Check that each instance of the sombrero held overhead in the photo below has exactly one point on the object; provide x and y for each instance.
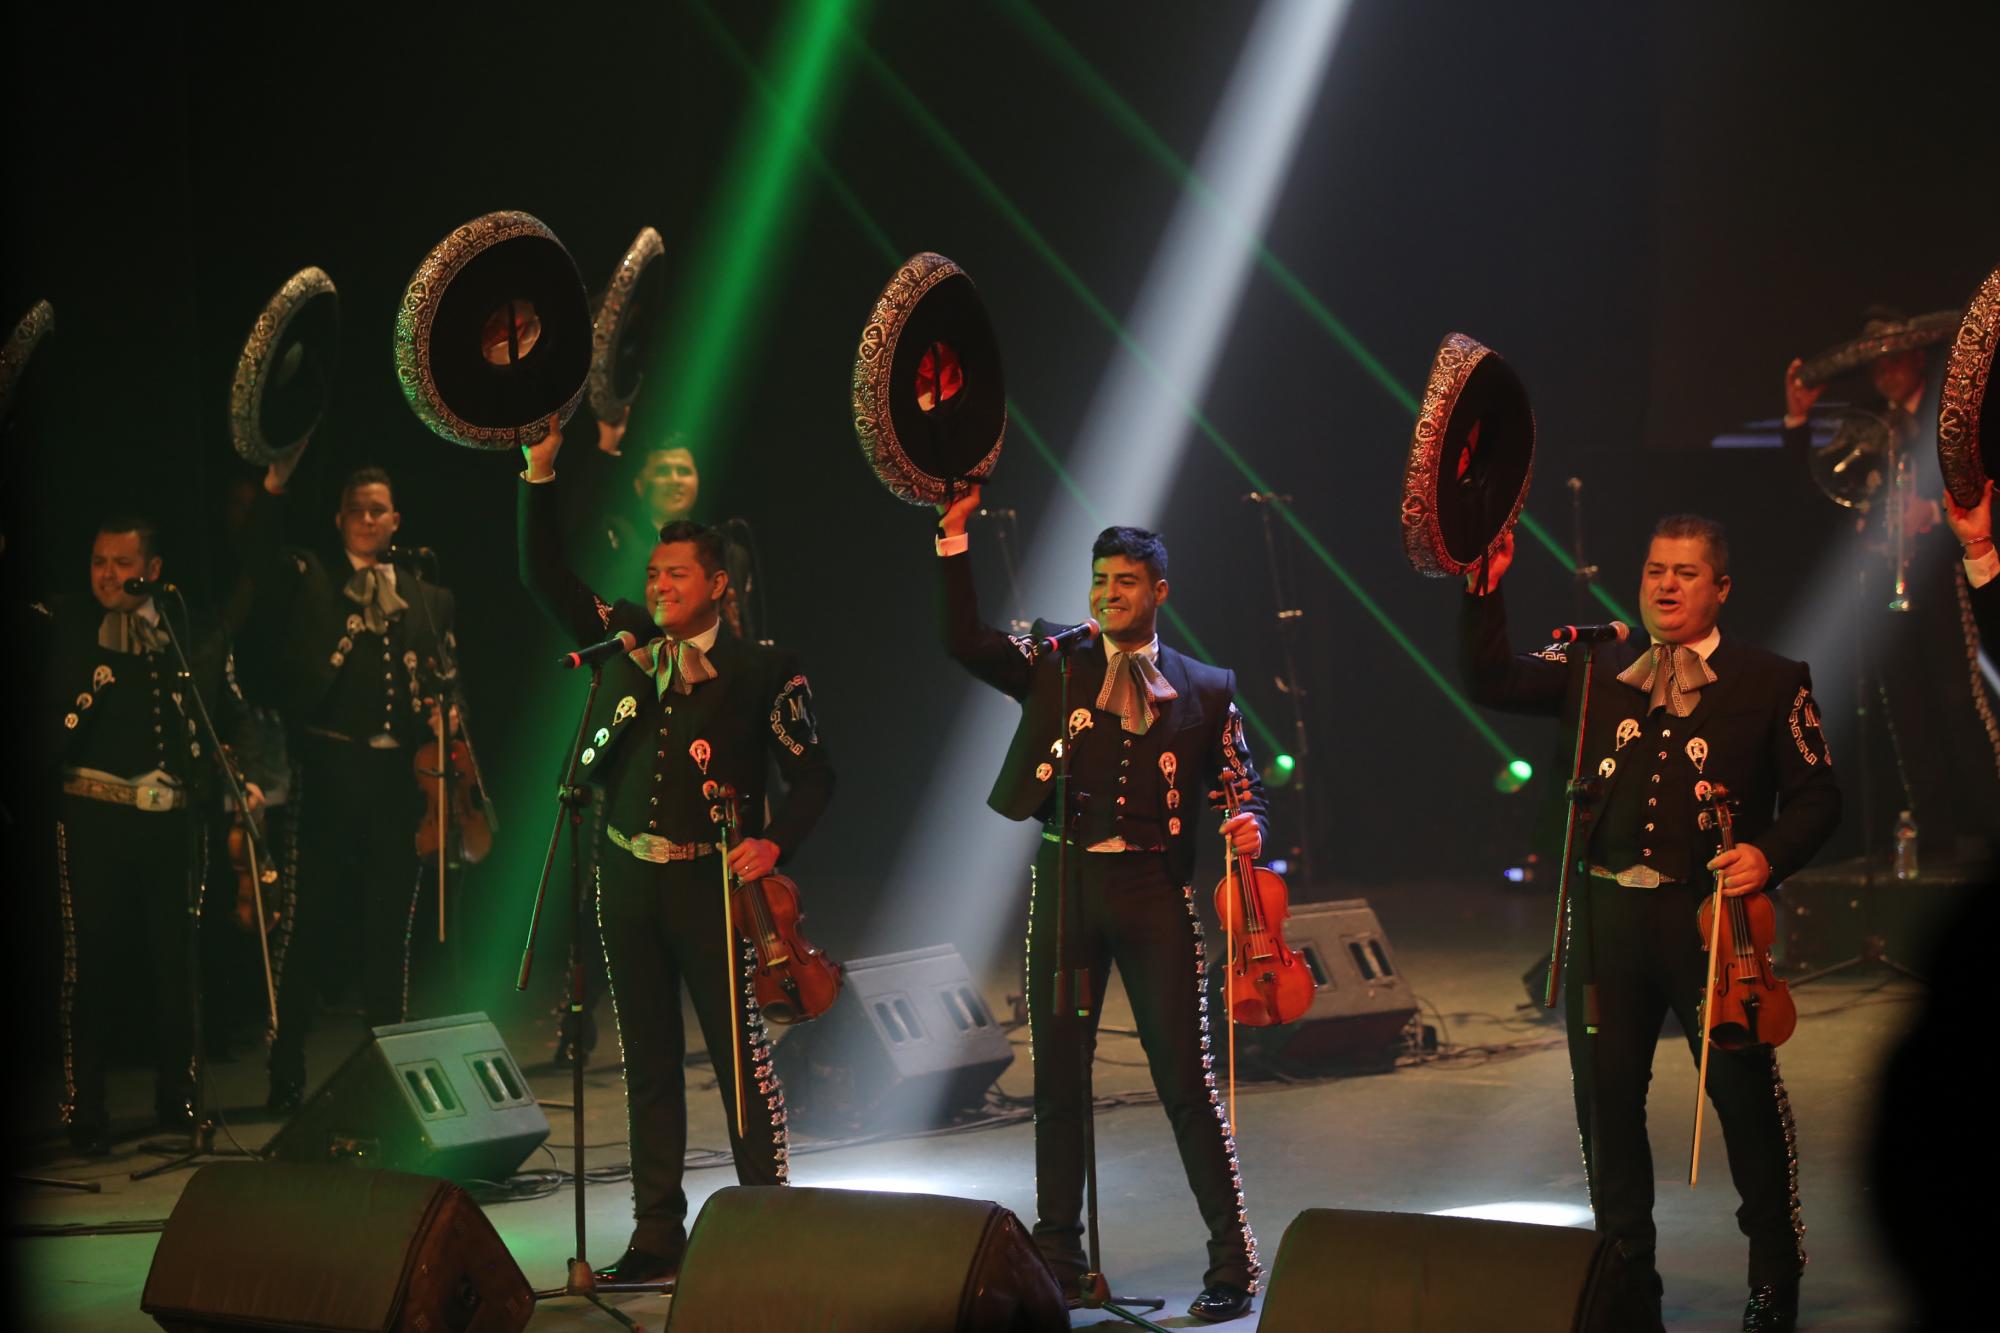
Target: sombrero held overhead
(930, 409)
(1471, 457)
(284, 374)
(20, 345)
(493, 335)
(1965, 403)
(1878, 337)
(621, 331)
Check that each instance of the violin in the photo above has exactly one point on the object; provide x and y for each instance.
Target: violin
(454, 803)
(1745, 1005)
(1267, 984)
(795, 982)
(252, 873)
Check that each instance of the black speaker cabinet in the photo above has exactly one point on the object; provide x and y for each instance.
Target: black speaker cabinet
(278, 1246)
(1363, 1003)
(441, 1097)
(909, 1041)
(854, 1259)
(1349, 1272)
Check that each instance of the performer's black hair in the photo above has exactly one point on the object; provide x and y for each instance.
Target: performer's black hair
(1677, 526)
(1133, 544)
(149, 531)
(709, 547)
(367, 476)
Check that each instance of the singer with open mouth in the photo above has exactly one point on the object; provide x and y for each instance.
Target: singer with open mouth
(1670, 717)
(1150, 731)
(686, 709)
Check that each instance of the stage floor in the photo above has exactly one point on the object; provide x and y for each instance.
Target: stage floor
(1487, 1127)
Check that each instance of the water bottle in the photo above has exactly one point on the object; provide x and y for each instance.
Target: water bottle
(1903, 860)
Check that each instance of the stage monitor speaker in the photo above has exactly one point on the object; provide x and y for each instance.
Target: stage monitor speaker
(909, 1041)
(1363, 1004)
(1351, 1272)
(279, 1246)
(440, 1097)
(856, 1259)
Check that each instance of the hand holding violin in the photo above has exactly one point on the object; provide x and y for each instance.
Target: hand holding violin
(1743, 869)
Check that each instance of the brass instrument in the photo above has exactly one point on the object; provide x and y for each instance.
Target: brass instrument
(1866, 462)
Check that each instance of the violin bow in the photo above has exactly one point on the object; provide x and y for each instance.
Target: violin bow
(1229, 941)
(1718, 798)
(728, 795)
(444, 807)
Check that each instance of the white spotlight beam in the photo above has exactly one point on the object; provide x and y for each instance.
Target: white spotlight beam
(1129, 448)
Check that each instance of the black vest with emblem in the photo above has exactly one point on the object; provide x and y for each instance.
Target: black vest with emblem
(116, 712)
(1116, 779)
(1649, 814)
(653, 754)
(340, 677)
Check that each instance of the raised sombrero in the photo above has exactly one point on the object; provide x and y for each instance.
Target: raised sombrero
(1878, 338)
(1471, 457)
(284, 374)
(621, 331)
(19, 347)
(1967, 456)
(493, 335)
(930, 409)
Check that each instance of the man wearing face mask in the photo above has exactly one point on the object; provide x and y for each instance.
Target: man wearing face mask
(137, 777)
(674, 721)
(363, 641)
(1150, 731)
(1669, 715)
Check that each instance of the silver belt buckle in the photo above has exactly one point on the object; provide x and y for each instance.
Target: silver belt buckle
(382, 740)
(1639, 877)
(152, 798)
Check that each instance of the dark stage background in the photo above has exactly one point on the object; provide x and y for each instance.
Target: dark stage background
(1649, 209)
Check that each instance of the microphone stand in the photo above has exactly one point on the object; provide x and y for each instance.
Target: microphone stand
(1093, 1290)
(1290, 619)
(1007, 539)
(201, 1133)
(1573, 916)
(571, 802)
(1586, 575)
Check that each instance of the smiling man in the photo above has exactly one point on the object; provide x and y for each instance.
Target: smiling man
(687, 713)
(1670, 716)
(1150, 730)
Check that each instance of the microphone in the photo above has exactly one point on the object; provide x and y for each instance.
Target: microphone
(146, 587)
(409, 555)
(631, 629)
(1068, 640)
(1615, 632)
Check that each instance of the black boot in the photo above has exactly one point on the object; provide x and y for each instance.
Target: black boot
(1220, 1302)
(1773, 1308)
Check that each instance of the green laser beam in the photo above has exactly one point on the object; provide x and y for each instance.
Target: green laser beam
(884, 243)
(732, 262)
(1122, 113)
(933, 128)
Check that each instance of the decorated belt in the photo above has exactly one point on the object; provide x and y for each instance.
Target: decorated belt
(652, 847)
(146, 795)
(1634, 877)
(1108, 845)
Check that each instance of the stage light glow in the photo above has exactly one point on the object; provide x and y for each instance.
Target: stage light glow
(1279, 866)
(1536, 1214)
(701, 356)
(1286, 762)
(1515, 874)
(1073, 63)
(1513, 776)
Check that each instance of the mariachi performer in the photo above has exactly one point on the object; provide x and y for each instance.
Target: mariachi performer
(1938, 748)
(137, 777)
(678, 720)
(1151, 731)
(362, 640)
(1669, 719)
